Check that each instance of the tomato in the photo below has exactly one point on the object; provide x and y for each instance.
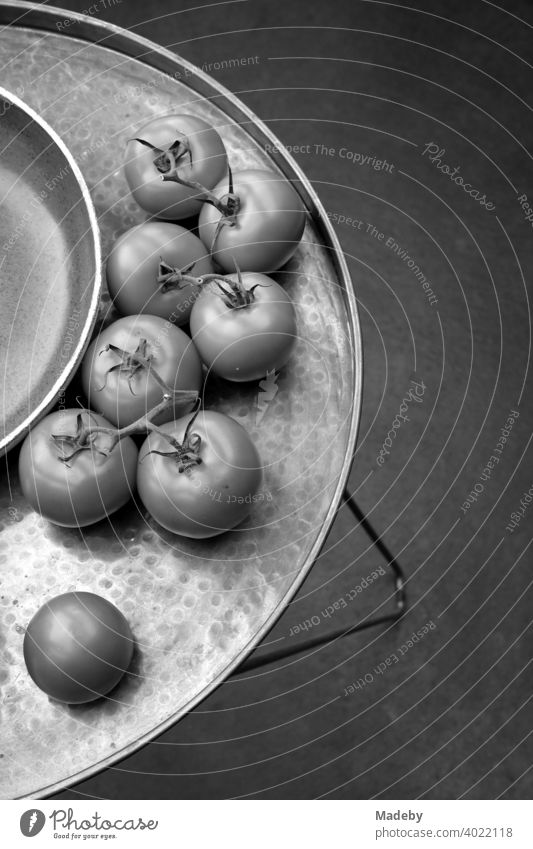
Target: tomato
(87, 487)
(122, 389)
(206, 481)
(178, 140)
(243, 332)
(266, 228)
(77, 647)
(144, 254)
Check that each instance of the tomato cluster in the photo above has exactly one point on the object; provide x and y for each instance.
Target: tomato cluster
(197, 471)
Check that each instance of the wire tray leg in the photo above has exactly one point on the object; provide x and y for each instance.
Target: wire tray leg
(400, 602)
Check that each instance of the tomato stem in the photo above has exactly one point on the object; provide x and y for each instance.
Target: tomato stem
(233, 292)
(84, 438)
(145, 422)
(229, 205)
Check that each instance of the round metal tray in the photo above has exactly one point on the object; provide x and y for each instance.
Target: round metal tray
(197, 608)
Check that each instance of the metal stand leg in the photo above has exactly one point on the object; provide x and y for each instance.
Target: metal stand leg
(400, 598)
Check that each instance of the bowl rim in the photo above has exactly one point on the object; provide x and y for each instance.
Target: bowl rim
(9, 439)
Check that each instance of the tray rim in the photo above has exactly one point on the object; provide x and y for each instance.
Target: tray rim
(28, 15)
(9, 440)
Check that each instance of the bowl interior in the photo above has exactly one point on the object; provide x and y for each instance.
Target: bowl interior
(48, 269)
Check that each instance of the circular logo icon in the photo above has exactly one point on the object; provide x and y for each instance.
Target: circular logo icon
(32, 822)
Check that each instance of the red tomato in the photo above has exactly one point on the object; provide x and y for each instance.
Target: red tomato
(86, 488)
(141, 270)
(246, 333)
(77, 647)
(175, 141)
(212, 488)
(266, 228)
(121, 389)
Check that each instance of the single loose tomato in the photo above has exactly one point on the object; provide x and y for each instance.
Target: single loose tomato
(126, 368)
(243, 325)
(144, 269)
(199, 477)
(262, 226)
(74, 478)
(181, 142)
(77, 647)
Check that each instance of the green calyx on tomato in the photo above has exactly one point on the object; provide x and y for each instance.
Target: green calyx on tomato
(83, 440)
(72, 469)
(131, 363)
(170, 277)
(166, 161)
(146, 265)
(185, 454)
(233, 292)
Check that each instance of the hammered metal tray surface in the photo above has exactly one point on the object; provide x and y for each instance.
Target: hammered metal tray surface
(195, 607)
